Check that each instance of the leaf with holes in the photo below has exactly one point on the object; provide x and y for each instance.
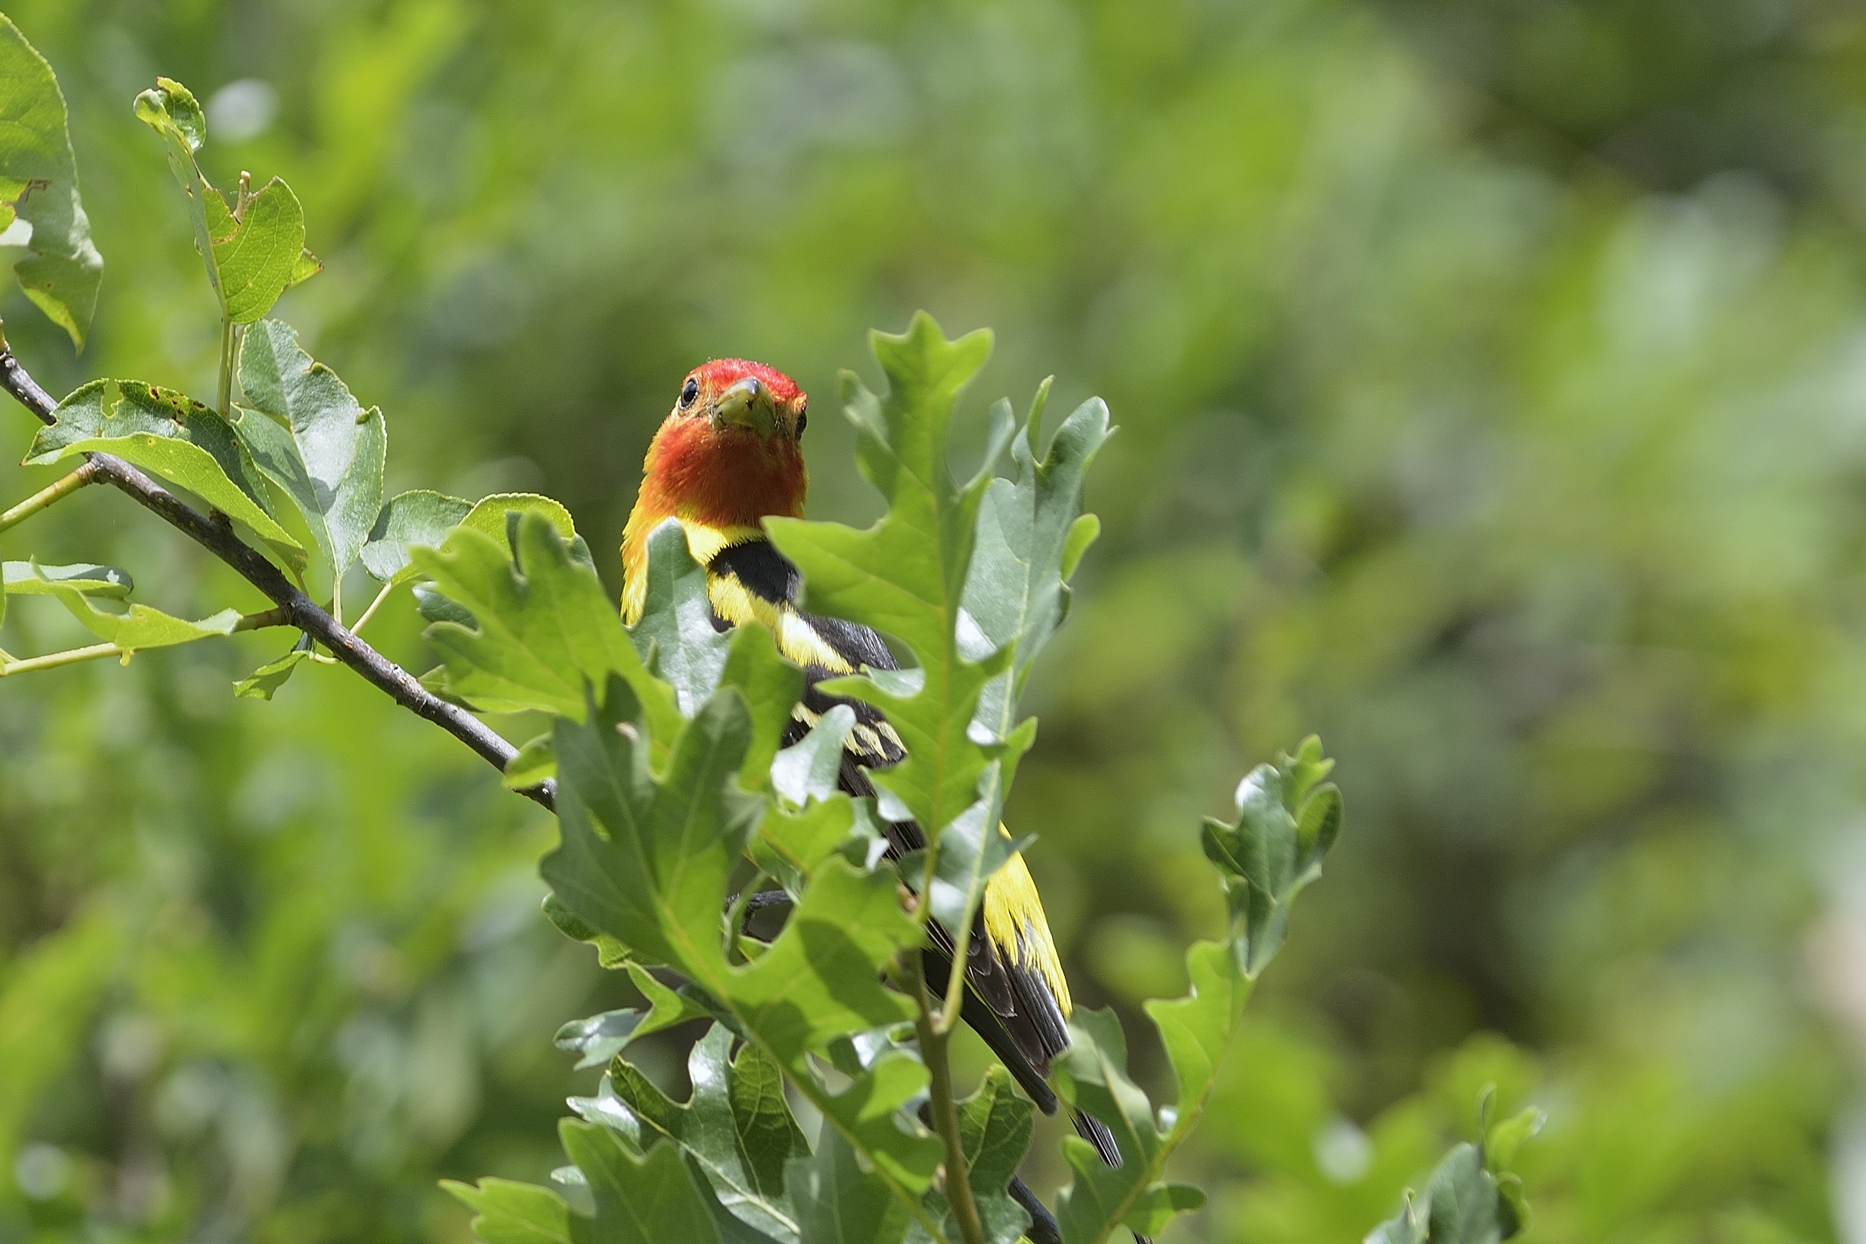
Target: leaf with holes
(171, 435)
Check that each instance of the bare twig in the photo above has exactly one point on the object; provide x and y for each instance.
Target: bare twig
(299, 610)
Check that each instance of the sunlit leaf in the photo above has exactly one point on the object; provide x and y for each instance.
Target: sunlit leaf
(313, 439)
(540, 635)
(675, 632)
(491, 514)
(32, 579)
(995, 1126)
(170, 435)
(139, 626)
(905, 575)
(39, 185)
(418, 519)
(506, 1212)
(259, 251)
(601, 1037)
(649, 1199)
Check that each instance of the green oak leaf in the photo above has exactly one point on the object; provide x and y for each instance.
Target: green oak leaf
(507, 1212)
(647, 1198)
(675, 634)
(1287, 821)
(806, 772)
(1465, 1202)
(263, 682)
(601, 1037)
(735, 1126)
(677, 640)
(1284, 813)
(542, 627)
(611, 954)
(171, 435)
(645, 857)
(995, 1127)
(168, 435)
(492, 514)
(421, 518)
(836, 1199)
(1030, 535)
(313, 439)
(39, 185)
(905, 576)
(534, 763)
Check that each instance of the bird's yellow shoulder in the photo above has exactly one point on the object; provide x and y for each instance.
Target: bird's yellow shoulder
(1015, 923)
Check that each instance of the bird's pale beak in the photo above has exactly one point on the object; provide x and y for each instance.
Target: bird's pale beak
(746, 404)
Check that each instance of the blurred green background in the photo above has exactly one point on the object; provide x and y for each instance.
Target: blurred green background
(1492, 385)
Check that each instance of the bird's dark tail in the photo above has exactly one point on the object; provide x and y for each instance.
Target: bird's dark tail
(1093, 1130)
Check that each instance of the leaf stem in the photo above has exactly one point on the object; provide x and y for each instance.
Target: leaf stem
(261, 620)
(63, 487)
(226, 368)
(53, 660)
(370, 612)
(934, 1053)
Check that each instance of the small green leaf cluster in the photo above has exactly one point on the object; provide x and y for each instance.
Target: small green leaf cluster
(1472, 1197)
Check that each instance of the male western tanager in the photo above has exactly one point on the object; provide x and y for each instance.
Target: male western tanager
(726, 457)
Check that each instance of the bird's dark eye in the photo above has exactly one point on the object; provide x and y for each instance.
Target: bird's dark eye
(688, 392)
(803, 421)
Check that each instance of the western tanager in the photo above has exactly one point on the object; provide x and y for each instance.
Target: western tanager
(727, 457)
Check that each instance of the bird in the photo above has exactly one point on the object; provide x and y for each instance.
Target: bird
(729, 455)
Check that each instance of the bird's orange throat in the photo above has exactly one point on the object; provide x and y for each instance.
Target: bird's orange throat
(726, 479)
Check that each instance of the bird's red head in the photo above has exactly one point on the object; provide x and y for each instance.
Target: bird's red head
(726, 457)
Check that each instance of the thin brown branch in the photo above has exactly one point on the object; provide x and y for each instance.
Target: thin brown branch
(298, 609)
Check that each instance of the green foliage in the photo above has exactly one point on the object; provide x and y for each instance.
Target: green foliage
(905, 576)
(543, 627)
(420, 518)
(995, 1124)
(1472, 1197)
(736, 1127)
(311, 438)
(1285, 825)
(31, 579)
(265, 681)
(139, 626)
(39, 185)
(254, 251)
(173, 436)
(1472, 417)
